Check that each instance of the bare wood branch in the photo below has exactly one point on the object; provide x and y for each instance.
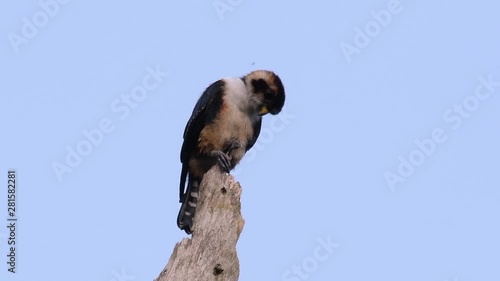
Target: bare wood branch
(210, 254)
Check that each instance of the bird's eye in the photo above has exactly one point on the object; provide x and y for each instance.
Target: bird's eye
(268, 94)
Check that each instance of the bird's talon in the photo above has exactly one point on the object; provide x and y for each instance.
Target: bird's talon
(223, 160)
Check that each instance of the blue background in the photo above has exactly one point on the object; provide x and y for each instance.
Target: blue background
(319, 170)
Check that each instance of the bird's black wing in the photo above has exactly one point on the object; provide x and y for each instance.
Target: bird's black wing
(256, 133)
(204, 112)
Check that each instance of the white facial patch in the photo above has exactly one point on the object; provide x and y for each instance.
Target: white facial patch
(237, 93)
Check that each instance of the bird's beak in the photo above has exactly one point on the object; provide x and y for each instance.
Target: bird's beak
(263, 111)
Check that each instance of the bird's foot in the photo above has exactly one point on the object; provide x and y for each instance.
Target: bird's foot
(223, 159)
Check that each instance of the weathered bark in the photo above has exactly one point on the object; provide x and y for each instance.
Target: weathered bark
(210, 254)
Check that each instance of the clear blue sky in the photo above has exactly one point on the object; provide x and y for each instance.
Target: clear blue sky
(383, 165)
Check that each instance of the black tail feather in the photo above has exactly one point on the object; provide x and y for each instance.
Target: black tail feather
(188, 207)
(182, 184)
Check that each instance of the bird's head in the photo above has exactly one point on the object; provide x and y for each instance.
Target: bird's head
(267, 91)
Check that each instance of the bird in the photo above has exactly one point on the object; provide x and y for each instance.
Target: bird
(225, 123)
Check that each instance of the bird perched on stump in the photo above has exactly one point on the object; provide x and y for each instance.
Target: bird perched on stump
(224, 125)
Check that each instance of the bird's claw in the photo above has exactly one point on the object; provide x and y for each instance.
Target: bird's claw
(223, 159)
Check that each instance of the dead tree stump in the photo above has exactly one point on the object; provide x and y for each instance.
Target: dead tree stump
(210, 254)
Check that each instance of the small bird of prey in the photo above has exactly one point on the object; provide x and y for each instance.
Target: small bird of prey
(224, 125)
